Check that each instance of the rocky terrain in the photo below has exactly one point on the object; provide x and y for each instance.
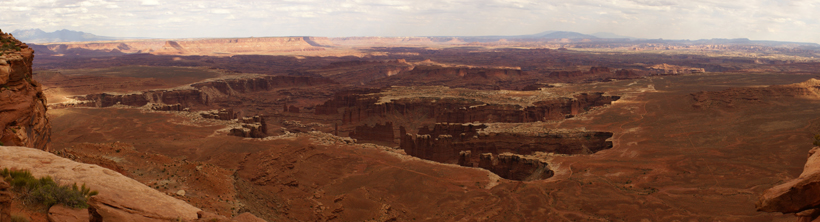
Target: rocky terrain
(799, 195)
(25, 142)
(439, 128)
(187, 46)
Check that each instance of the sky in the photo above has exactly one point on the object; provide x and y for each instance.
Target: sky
(779, 20)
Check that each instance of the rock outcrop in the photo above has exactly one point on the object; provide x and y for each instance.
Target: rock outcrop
(356, 108)
(199, 94)
(486, 78)
(221, 114)
(23, 108)
(800, 195)
(509, 166)
(733, 97)
(667, 69)
(243, 217)
(445, 141)
(377, 132)
(60, 213)
(220, 46)
(575, 74)
(359, 71)
(458, 144)
(5, 201)
(120, 198)
(251, 127)
(171, 107)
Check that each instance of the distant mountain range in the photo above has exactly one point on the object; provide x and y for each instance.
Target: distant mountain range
(65, 35)
(547, 35)
(574, 35)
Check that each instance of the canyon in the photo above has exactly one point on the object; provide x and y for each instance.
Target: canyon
(417, 128)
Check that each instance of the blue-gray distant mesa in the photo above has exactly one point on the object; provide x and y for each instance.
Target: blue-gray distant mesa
(795, 20)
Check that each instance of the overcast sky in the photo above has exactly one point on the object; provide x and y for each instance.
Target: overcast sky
(669, 19)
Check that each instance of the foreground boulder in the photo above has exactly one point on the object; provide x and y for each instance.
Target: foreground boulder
(60, 213)
(120, 198)
(800, 195)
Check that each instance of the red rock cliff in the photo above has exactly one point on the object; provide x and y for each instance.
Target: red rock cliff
(23, 118)
(445, 141)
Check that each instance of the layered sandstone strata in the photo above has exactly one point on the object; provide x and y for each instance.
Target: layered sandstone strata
(502, 153)
(23, 118)
(198, 94)
(214, 46)
(358, 107)
(377, 132)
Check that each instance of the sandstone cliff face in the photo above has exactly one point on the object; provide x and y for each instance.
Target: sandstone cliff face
(120, 198)
(486, 78)
(356, 108)
(377, 132)
(360, 71)
(236, 86)
(445, 141)
(183, 47)
(23, 118)
(465, 145)
(202, 94)
(799, 194)
(509, 166)
(738, 96)
(569, 75)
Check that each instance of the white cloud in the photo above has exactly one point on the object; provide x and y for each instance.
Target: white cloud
(150, 2)
(220, 11)
(19, 9)
(668, 19)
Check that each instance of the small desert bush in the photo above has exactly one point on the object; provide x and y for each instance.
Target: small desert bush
(45, 191)
(18, 218)
(817, 140)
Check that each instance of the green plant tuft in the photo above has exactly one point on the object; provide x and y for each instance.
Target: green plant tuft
(817, 140)
(46, 191)
(18, 218)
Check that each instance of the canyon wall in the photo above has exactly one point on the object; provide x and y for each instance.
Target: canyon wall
(355, 108)
(201, 94)
(508, 165)
(733, 97)
(377, 132)
(444, 142)
(23, 108)
(484, 78)
(214, 46)
(502, 153)
(241, 45)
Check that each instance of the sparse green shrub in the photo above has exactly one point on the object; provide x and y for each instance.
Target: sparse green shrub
(817, 140)
(18, 218)
(45, 191)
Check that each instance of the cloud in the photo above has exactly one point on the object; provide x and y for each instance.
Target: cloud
(220, 11)
(668, 19)
(20, 9)
(150, 2)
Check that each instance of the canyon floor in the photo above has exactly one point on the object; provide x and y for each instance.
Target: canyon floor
(382, 137)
